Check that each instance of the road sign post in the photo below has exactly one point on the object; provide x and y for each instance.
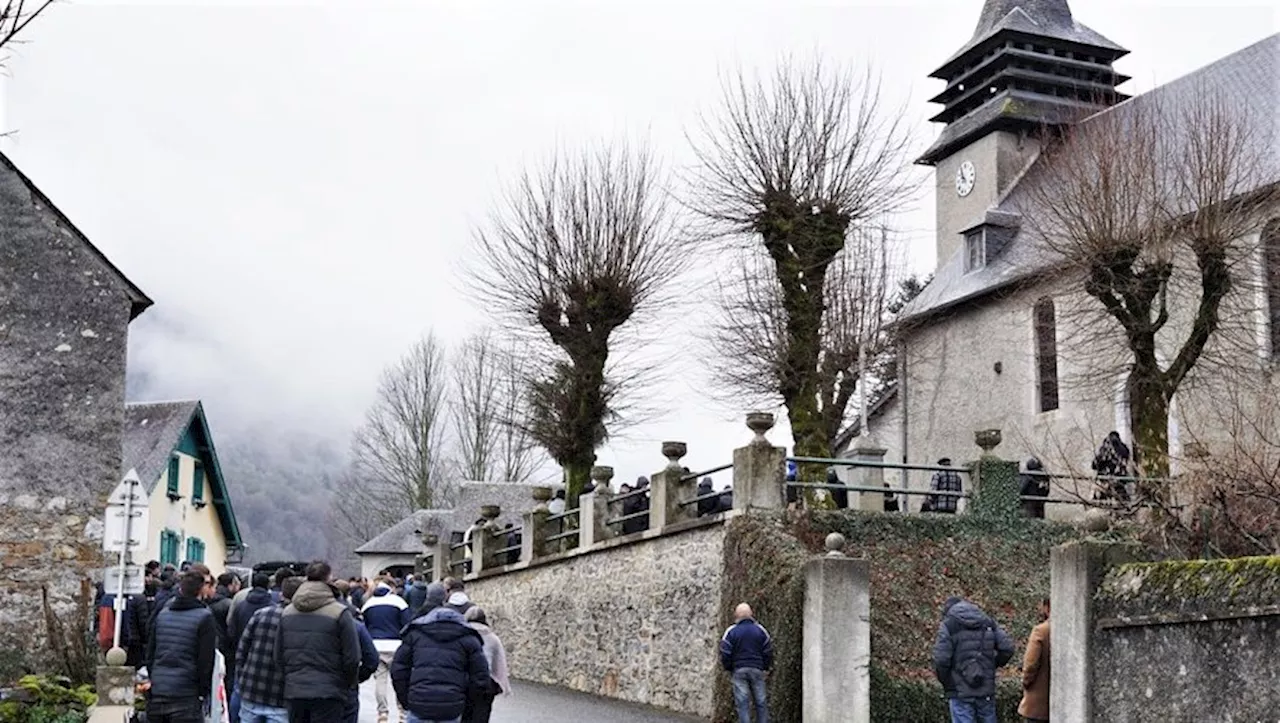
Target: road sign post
(125, 530)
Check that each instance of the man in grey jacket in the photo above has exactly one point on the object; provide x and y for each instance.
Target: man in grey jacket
(969, 648)
(319, 650)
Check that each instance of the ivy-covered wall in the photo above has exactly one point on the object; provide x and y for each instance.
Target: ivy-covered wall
(917, 561)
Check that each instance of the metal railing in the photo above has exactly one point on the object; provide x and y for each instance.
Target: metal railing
(619, 499)
(505, 534)
(713, 470)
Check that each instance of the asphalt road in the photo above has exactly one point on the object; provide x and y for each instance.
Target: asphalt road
(533, 703)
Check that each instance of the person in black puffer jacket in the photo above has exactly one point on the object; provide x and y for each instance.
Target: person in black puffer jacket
(180, 654)
(319, 647)
(439, 666)
(969, 648)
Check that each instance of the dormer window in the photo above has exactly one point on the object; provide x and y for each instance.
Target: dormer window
(975, 250)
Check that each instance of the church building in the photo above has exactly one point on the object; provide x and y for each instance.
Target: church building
(990, 343)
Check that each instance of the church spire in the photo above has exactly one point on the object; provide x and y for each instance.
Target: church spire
(1028, 64)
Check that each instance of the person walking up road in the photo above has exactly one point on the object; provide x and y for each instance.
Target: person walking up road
(180, 653)
(259, 677)
(385, 614)
(746, 651)
(969, 648)
(319, 648)
(480, 708)
(439, 667)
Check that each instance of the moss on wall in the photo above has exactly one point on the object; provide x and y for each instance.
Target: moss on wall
(1190, 587)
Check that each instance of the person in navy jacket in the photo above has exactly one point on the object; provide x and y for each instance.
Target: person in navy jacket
(746, 651)
(385, 615)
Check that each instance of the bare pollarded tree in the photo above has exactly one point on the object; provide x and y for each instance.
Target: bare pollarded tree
(490, 412)
(794, 165)
(400, 450)
(580, 248)
(751, 332)
(1151, 206)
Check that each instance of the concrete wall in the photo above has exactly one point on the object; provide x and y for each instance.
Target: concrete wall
(1178, 640)
(635, 620)
(997, 158)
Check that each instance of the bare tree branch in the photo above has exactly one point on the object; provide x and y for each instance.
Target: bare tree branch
(489, 412)
(794, 166)
(579, 249)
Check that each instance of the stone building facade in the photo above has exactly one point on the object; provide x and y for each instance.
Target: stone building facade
(1003, 336)
(64, 319)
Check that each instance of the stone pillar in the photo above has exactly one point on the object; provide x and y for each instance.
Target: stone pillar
(593, 509)
(483, 543)
(994, 481)
(667, 490)
(836, 677)
(866, 449)
(115, 685)
(759, 469)
(440, 560)
(533, 539)
(1075, 571)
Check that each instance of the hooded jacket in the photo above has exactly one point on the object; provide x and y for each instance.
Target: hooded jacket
(440, 664)
(242, 612)
(460, 603)
(318, 646)
(385, 614)
(495, 655)
(969, 648)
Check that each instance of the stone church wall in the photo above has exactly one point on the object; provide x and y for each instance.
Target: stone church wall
(637, 621)
(63, 329)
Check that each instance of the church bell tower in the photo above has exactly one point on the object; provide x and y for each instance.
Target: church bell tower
(1029, 67)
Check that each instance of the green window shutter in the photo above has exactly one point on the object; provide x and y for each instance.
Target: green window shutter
(174, 469)
(197, 485)
(195, 549)
(168, 547)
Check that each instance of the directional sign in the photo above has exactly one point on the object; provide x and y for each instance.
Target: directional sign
(129, 487)
(116, 532)
(134, 580)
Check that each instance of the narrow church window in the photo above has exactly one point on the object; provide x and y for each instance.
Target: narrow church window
(1046, 329)
(975, 256)
(1271, 270)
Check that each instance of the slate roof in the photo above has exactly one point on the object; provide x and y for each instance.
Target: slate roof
(138, 300)
(1248, 82)
(405, 537)
(151, 431)
(1045, 18)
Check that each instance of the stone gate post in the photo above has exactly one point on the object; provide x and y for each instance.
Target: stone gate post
(759, 468)
(837, 637)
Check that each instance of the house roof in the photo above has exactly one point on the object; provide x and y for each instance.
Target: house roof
(1247, 81)
(405, 536)
(155, 430)
(138, 300)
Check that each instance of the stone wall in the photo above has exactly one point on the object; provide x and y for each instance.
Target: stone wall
(636, 620)
(63, 324)
(1188, 641)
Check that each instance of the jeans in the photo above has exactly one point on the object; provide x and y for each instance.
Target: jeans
(317, 710)
(415, 719)
(973, 710)
(251, 712)
(748, 685)
(233, 704)
(380, 679)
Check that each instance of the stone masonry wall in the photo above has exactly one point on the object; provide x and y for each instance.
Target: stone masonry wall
(1188, 641)
(637, 621)
(63, 325)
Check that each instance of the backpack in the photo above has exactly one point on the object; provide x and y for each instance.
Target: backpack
(970, 668)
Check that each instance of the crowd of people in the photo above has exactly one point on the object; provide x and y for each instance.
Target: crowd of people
(295, 648)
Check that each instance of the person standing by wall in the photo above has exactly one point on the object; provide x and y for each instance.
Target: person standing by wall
(746, 651)
(1035, 671)
(969, 648)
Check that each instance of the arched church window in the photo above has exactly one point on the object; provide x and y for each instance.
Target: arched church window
(1271, 274)
(1046, 334)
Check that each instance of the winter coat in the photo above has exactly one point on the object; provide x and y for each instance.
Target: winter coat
(258, 678)
(439, 665)
(369, 658)
(945, 481)
(495, 654)
(459, 603)
(181, 651)
(710, 505)
(385, 614)
(746, 644)
(838, 495)
(319, 645)
(1033, 483)
(242, 612)
(416, 596)
(1035, 675)
(969, 648)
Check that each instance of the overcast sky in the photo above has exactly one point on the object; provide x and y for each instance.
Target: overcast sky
(295, 184)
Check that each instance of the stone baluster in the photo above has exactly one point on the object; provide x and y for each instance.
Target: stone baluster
(483, 543)
(759, 468)
(666, 489)
(593, 509)
(534, 540)
(866, 449)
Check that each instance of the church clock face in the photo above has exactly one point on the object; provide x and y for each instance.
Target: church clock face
(966, 175)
